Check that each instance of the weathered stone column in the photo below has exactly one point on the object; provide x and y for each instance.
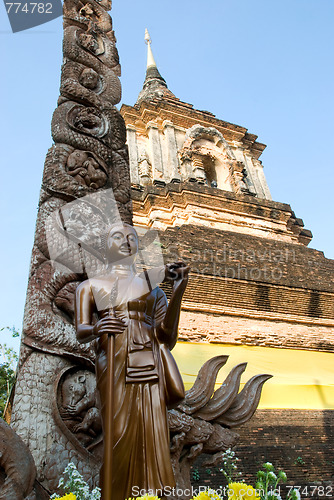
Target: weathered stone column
(255, 178)
(89, 155)
(173, 174)
(248, 167)
(133, 154)
(198, 168)
(262, 179)
(155, 149)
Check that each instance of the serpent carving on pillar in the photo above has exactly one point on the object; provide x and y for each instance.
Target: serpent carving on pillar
(89, 154)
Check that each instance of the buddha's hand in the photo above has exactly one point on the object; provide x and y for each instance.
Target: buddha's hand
(109, 325)
(176, 272)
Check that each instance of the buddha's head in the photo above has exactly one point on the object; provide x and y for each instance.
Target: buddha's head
(121, 244)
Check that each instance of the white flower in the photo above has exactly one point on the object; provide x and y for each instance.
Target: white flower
(77, 485)
(96, 494)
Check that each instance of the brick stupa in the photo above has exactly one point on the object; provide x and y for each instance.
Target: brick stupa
(255, 284)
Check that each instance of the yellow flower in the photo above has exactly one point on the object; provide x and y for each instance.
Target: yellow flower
(241, 491)
(207, 495)
(145, 497)
(69, 496)
(201, 496)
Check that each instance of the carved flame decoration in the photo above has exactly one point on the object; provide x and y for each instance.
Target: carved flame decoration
(202, 423)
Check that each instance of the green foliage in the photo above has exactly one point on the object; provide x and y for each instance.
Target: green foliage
(196, 475)
(299, 461)
(268, 480)
(8, 362)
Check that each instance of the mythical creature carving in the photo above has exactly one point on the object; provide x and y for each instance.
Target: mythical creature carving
(78, 406)
(89, 154)
(85, 169)
(202, 423)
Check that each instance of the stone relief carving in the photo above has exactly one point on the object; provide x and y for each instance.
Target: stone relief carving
(91, 41)
(86, 169)
(145, 170)
(238, 176)
(87, 120)
(202, 423)
(89, 154)
(91, 80)
(78, 406)
(206, 155)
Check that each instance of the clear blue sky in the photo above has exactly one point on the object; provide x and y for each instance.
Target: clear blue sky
(265, 65)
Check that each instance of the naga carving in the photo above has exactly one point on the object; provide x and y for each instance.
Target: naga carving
(89, 155)
(203, 422)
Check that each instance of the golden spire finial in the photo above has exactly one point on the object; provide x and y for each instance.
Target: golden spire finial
(150, 59)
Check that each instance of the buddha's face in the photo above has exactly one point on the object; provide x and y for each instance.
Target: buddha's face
(122, 243)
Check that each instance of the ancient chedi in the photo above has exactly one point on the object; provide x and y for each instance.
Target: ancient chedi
(89, 154)
(253, 282)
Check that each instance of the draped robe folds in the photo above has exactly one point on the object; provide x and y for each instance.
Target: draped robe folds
(141, 453)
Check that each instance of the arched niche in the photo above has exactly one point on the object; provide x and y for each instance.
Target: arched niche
(208, 158)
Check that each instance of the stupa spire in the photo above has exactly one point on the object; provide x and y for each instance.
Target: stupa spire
(155, 85)
(150, 58)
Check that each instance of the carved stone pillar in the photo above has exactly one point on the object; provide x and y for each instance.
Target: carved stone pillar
(155, 147)
(254, 174)
(89, 155)
(262, 179)
(248, 170)
(198, 168)
(237, 174)
(173, 162)
(133, 154)
(145, 171)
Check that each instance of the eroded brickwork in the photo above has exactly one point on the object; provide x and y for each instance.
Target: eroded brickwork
(253, 291)
(300, 442)
(224, 328)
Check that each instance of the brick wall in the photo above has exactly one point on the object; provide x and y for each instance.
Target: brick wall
(300, 442)
(213, 252)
